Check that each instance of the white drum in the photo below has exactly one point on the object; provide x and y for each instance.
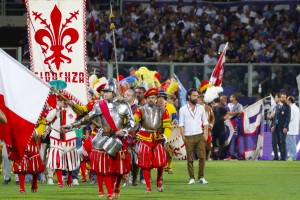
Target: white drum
(176, 145)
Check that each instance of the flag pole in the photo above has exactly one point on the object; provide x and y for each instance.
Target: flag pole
(113, 27)
(66, 99)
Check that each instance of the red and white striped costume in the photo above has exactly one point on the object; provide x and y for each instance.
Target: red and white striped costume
(32, 162)
(104, 164)
(62, 153)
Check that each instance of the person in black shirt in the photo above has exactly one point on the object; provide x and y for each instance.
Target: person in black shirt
(218, 131)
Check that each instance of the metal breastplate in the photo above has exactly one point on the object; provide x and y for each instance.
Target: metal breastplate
(152, 117)
(117, 113)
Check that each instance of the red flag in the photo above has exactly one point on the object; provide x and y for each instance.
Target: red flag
(217, 75)
(22, 97)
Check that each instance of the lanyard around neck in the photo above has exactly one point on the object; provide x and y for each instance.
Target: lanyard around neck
(194, 113)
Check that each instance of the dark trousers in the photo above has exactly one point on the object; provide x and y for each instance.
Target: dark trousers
(279, 139)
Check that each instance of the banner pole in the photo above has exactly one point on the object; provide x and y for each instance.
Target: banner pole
(112, 27)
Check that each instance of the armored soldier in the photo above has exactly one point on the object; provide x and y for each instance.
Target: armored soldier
(110, 157)
(155, 126)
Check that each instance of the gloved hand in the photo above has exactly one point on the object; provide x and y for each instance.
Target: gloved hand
(65, 128)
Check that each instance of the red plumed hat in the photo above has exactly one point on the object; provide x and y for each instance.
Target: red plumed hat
(150, 92)
(101, 87)
(204, 85)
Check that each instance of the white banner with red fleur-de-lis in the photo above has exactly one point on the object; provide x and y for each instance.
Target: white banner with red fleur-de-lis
(57, 43)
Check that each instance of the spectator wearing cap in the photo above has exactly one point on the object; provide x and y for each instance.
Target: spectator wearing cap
(162, 102)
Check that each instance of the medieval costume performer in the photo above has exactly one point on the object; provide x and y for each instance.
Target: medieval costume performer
(162, 102)
(62, 153)
(155, 126)
(32, 162)
(110, 158)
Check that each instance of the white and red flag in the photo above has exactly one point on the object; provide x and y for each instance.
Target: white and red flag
(57, 43)
(217, 74)
(22, 97)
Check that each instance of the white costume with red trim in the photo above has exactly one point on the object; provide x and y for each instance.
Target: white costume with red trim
(62, 153)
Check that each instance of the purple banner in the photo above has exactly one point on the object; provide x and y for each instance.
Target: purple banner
(268, 150)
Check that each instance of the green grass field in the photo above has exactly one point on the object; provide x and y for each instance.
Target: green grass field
(228, 180)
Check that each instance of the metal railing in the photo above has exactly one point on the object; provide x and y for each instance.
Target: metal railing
(9, 8)
(243, 78)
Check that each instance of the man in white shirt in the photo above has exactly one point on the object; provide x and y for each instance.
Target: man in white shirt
(191, 118)
(293, 129)
(235, 108)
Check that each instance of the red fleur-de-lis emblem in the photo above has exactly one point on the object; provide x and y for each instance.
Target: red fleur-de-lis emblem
(56, 32)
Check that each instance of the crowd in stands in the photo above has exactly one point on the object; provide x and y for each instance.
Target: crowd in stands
(193, 33)
(198, 34)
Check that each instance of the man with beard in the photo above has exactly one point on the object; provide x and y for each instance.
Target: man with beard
(155, 126)
(280, 126)
(191, 118)
(140, 91)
